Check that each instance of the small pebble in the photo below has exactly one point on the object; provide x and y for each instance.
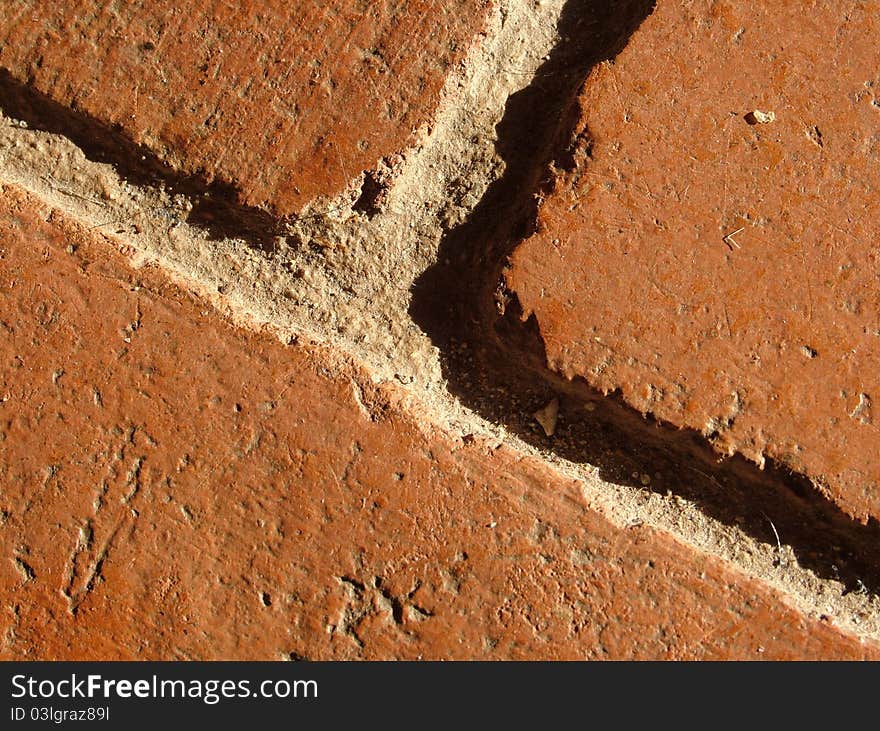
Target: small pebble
(759, 117)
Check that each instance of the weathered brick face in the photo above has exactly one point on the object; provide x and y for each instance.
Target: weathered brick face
(722, 272)
(176, 487)
(230, 433)
(286, 101)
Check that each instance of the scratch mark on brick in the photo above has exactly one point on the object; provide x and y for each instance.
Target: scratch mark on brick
(25, 570)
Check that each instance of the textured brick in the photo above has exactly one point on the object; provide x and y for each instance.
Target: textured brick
(767, 341)
(177, 487)
(287, 101)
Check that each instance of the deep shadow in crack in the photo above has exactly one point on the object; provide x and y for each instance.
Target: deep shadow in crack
(495, 363)
(216, 207)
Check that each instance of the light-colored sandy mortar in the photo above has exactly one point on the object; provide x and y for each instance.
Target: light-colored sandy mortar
(337, 276)
(342, 279)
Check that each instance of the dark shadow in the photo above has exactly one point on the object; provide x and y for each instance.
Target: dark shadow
(216, 206)
(495, 363)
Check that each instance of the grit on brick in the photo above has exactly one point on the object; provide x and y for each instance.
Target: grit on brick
(289, 102)
(178, 487)
(716, 266)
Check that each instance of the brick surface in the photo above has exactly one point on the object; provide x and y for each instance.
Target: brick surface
(768, 341)
(177, 487)
(287, 101)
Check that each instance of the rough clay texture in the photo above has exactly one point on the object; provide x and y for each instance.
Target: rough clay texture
(289, 102)
(719, 267)
(231, 436)
(265, 502)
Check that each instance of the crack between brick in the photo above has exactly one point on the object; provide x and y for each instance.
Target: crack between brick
(493, 354)
(436, 231)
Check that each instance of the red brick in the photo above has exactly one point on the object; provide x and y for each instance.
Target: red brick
(176, 487)
(287, 101)
(769, 343)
